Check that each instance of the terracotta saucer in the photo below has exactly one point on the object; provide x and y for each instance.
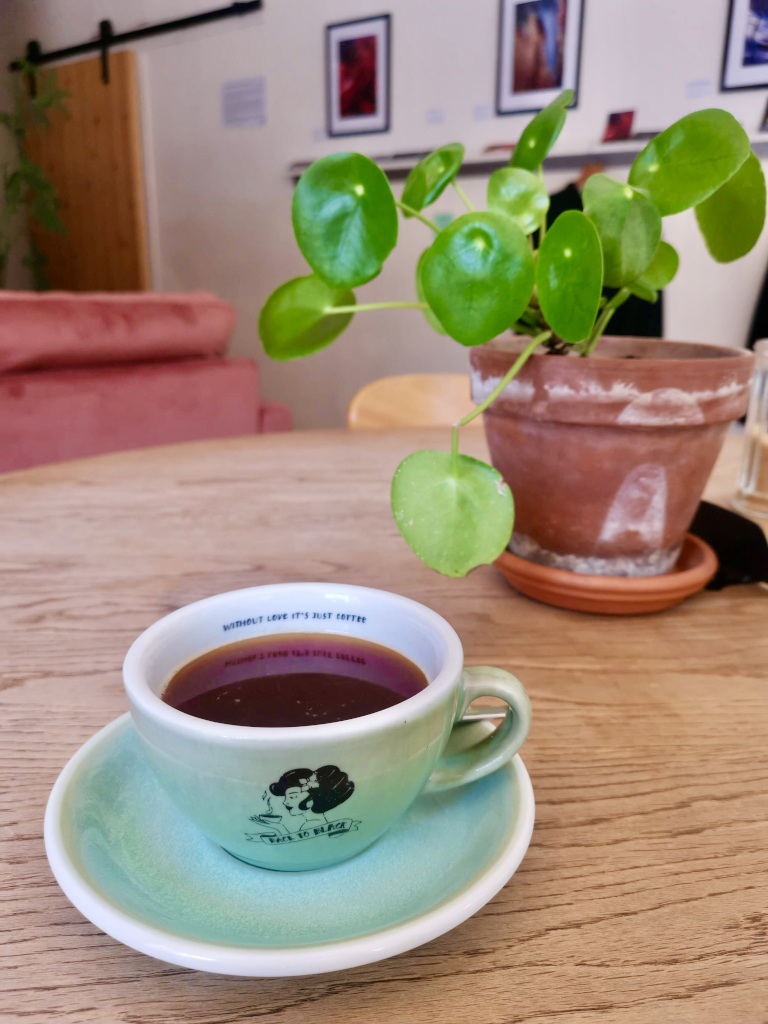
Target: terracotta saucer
(613, 595)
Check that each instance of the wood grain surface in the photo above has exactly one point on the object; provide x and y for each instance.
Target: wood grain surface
(644, 896)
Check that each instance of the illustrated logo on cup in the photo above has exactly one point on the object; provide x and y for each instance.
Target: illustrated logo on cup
(306, 797)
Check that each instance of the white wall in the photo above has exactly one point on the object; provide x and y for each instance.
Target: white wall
(220, 197)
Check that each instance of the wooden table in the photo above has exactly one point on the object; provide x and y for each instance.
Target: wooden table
(644, 896)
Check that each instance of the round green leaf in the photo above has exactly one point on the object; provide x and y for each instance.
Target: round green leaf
(540, 135)
(293, 322)
(569, 276)
(454, 517)
(478, 276)
(732, 218)
(429, 316)
(629, 226)
(662, 268)
(520, 195)
(689, 161)
(345, 218)
(431, 176)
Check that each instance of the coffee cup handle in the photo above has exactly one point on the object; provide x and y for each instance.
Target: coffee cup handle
(495, 750)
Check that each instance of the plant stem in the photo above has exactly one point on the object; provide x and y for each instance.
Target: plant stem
(363, 307)
(543, 228)
(604, 319)
(455, 449)
(518, 364)
(415, 213)
(463, 196)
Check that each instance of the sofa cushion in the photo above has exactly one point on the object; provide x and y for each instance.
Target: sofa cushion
(40, 330)
(51, 415)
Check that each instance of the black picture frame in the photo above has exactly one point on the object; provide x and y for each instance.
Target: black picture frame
(381, 121)
(545, 95)
(750, 76)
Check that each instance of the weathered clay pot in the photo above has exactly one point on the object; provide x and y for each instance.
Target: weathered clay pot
(607, 456)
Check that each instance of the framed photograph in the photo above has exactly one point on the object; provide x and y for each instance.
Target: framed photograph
(619, 126)
(745, 62)
(539, 53)
(357, 76)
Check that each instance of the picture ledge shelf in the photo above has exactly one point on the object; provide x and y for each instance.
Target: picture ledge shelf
(608, 153)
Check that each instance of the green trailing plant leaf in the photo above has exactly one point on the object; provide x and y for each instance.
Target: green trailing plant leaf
(689, 161)
(519, 195)
(629, 226)
(540, 135)
(14, 189)
(293, 321)
(732, 218)
(429, 316)
(478, 276)
(345, 218)
(455, 515)
(46, 214)
(26, 190)
(569, 276)
(431, 176)
(36, 262)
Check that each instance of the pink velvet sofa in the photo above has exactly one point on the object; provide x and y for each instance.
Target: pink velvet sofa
(85, 374)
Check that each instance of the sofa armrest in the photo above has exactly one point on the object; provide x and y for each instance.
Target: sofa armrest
(274, 418)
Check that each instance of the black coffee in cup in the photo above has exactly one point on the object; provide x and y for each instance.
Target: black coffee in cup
(293, 679)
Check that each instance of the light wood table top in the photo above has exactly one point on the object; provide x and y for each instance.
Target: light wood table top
(644, 896)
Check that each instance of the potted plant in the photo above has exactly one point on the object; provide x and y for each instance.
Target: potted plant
(606, 443)
(27, 195)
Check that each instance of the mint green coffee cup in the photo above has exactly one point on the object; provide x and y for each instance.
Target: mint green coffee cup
(350, 780)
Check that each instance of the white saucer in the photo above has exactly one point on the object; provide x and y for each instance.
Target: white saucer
(135, 867)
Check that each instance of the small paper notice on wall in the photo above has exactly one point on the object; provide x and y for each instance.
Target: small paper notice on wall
(482, 112)
(244, 102)
(699, 87)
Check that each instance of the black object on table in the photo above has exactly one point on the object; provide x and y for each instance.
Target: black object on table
(740, 545)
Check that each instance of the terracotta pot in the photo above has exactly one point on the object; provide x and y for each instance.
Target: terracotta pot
(607, 457)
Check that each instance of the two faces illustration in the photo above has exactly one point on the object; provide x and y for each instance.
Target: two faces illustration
(302, 797)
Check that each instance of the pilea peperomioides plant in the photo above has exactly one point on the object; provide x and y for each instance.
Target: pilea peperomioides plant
(482, 275)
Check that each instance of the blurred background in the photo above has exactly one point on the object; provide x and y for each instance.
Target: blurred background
(224, 114)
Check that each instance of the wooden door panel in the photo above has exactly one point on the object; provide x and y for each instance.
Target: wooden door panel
(93, 156)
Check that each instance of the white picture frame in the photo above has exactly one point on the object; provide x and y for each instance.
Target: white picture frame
(745, 58)
(539, 53)
(363, 107)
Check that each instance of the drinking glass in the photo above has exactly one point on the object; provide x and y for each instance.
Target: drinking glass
(752, 495)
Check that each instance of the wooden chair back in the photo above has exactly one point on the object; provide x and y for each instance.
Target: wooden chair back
(412, 400)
